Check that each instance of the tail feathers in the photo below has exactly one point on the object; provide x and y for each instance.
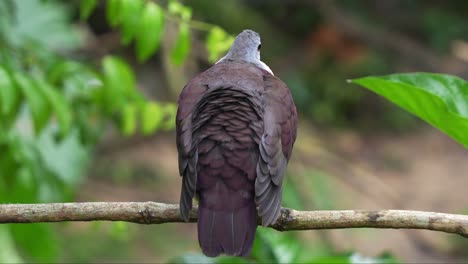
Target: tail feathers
(225, 232)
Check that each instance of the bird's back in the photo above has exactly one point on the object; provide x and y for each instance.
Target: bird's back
(227, 126)
(220, 136)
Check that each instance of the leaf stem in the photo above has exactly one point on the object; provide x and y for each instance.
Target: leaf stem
(195, 24)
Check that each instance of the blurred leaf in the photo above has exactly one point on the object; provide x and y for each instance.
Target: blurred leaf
(23, 188)
(59, 106)
(78, 81)
(262, 249)
(86, 8)
(441, 100)
(46, 23)
(182, 46)
(114, 12)
(386, 258)
(170, 111)
(322, 194)
(285, 247)
(131, 14)
(9, 95)
(7, 10)
(176, 8)
(152, 116)
(120, 230)
(25, 179)
(149, 31)
(30, 174)
(129, 119)
(8, 254)
(8, 167)
(119, 83)
(337, 259)
(38, 240)
(60, 70)
(192, 258)
(313, 250)
(291, 195)
(37, 104)
(442, 27)
(353, 258)
(231, 260)
(67, 158)
(217, 43)
(271, 246)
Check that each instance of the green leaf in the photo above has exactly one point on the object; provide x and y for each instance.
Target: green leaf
(66, 159)
(386, 257)
(170, 111)
(217, 43)
(59, 106)
(129, 119)
(120, 231)
(38, 105)
(9, 95)
(263, 249)
(152, 116)
(321, 189)
(78, 81)
(353, 258)
(131, 13)
(182, 46)
(86, 8)
(231, 260)
(149, 31)
(119, 83)
(38, 240)
(337, 259)
(291, 195)
(24, 188)
(114, 12)
(285, 247)
(59, 71)
(176, 8)
(45, 23)
(8, 254)
(192, 258)
(441, 100)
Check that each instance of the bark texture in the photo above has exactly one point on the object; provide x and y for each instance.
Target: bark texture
(159, 213)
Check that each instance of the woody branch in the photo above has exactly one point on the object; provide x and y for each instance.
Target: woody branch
(159, 213)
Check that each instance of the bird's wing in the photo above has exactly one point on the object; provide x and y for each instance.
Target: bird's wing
(188, 154)
(280, 127)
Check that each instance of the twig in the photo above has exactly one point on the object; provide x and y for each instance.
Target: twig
(194, 24)
(159, 213)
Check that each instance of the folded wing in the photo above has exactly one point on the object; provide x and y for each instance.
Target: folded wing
(277, 140)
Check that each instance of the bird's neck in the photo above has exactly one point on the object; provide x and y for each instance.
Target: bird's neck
(257, 62)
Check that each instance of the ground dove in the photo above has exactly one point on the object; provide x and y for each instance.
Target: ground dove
(236, 125)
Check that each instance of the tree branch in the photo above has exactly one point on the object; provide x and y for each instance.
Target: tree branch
(158, 213)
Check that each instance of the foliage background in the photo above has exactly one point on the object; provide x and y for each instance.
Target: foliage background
(87, 103)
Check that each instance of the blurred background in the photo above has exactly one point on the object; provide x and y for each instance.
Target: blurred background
(87, 104)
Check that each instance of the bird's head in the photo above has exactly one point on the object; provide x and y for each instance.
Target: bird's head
(246, 47)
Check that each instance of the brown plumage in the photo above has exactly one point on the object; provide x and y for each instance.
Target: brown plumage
(236, 126)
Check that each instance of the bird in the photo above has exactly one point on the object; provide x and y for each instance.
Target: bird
(236, 125)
